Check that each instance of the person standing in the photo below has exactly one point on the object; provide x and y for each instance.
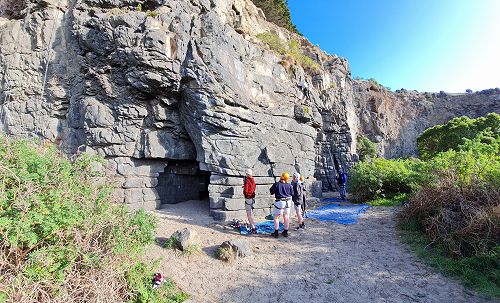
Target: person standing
(298, 198)
(249, 187)
(282, 192)
(341, 182)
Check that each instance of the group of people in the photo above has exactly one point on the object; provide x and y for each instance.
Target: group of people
(285, 193)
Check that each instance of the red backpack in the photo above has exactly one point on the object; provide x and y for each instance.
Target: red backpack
(249, 188)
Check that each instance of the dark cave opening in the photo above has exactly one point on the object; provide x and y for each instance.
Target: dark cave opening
(182, 180)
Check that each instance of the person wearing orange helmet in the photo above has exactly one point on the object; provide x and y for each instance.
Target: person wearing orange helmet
(282, 192)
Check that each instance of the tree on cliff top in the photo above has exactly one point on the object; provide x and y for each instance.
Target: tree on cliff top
(277, 11)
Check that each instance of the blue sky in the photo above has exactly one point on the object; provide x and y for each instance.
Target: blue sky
(427, 45)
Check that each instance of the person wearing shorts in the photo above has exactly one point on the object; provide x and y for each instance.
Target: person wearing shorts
(249, 193)
(298, 198)
(282, 192)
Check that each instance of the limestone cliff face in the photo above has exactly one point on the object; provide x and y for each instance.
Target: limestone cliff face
(395, 119)
(179, 96)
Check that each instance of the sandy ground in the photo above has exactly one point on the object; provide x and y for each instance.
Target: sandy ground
(328, 262)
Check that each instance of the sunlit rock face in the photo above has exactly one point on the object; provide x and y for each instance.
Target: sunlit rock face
(180, 97)
(395, 119)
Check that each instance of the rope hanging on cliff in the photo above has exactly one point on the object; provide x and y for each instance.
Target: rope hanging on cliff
(47, 51)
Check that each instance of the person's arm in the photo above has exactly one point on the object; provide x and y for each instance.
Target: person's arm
(272, 190)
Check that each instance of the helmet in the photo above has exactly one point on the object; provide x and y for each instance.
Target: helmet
(285, 176)
(301, 179)
(248, 172)
(296, 176)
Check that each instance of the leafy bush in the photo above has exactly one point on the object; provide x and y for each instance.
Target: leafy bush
(61, 237)
(274, 42)
(366, 148)
(451, 135)
(171, 243)
(394, 201)
(292, 52)
(277, 12)
(459, 215)
(380, 178)
(192, 250)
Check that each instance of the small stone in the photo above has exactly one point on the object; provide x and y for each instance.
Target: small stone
(186, 237)
(242, 248)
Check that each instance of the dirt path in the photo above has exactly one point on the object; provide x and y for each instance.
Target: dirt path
(329, 262)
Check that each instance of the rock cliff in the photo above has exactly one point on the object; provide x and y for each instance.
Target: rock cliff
(394, 120)
(180, 97)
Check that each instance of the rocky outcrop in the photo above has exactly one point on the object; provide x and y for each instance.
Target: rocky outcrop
(394, 120)
(178, 96)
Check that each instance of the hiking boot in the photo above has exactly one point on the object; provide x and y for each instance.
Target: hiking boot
(301, 227)
(253, 231)
(275, 234)
(285, 233)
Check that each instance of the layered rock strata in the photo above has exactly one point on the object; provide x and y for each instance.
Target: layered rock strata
(394, 120)
(179, 97)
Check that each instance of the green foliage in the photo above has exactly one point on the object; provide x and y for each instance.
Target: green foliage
(277, 12)
(292, 51)
(366, 148)
(152, 14)
(303, 60)
(480, 272)
(476, 160)
(394, 201)
(274, 42)
(58, 227)
(171, 243)
(225, 254)
(374, 82)
(451, 135)
(381, 178)
(139, 279)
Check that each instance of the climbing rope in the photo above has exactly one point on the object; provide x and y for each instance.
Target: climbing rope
(47, 52)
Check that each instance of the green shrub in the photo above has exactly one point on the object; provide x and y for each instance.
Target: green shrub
(394, 201)
(152, 14)
(451, 135)
(366, 148)
(171, 243)
(381, 178)
(277, 12)
(291, 52)
(273, 41)
(59, 230)
(139, 278)
(303, 60)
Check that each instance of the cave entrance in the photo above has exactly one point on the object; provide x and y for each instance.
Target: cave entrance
(182, 181)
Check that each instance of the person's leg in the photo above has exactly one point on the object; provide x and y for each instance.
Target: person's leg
(299, 215)
(276, 225)
(286, 219)
(249, 208)
(276, 222)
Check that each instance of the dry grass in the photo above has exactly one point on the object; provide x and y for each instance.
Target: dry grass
(465, 219)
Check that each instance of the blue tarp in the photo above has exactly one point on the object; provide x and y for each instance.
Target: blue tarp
(265, 227)
(343, 214)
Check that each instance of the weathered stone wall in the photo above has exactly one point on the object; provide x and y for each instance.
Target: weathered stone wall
(187, 81)
(394, 120)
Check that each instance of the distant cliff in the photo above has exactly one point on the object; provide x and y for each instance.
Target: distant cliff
(394, 120)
